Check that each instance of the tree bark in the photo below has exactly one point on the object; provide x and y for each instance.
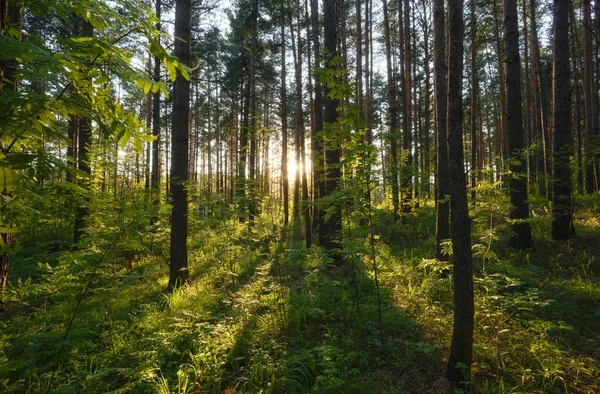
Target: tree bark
(155, 178)
(252, 121)
(591, 115)
(178, 274)
(427, 110)
(442, 217)
(316, 145)
(540, 119)
(474, 94)
(83, 161)
(331, 214)
(284, 131)
(519, 213)
(392, 114)
(562, 203)
(461, 348)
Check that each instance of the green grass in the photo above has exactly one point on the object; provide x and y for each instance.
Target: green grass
(264, 314)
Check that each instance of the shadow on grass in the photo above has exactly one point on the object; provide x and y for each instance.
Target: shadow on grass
(334, 345)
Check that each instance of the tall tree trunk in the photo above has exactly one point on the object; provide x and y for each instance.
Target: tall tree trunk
(83, 161)
(474, 94)
(359, 59)
(528, 108)
(331, 214)
(501, 134)
(284, 131)
(461, 348)
(406, 88)
(577, 113)
(562, 203)
(178, 274)
(591, 115)
(297, 54)
(519, 213)
(440, 69)
(415, 107)
(541, 123)
(148, 159)
(392, 116)
(427, 110)
(305, 198)
(253, 124)
(316, 145)
(155, 181)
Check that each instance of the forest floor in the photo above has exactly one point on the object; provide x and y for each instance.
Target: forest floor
(264, 314)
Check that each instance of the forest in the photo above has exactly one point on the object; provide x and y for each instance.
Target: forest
(299, 196)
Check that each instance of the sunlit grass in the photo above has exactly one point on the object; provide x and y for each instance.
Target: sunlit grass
(265, 315)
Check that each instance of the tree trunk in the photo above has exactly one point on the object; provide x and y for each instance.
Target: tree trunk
(316, 145)
(540, 120)
(562, 203)
(252, 131)
(577, 113)
(297, 54)
(501, 134)
(392, 116)
(178, 274)
(331, 214)
(461, 348)
(155, 181)
(406, 87)
(591, 122)
(440, 69)
(528, 113)
(284, 131)
(427, 111)
(474, 94)
(83, 161)
(519, 213)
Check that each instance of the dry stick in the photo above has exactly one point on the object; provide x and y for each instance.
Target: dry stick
(79, 299)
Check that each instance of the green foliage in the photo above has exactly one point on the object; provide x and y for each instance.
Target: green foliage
(62, 77)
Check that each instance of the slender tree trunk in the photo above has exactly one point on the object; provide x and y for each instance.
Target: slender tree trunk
(501, 135)
(392, 116)
(577, 113)
(406, 87)
(461, 348)
(442, 217)
(415, 108)
(284, 130)
(297, 54)
(539, 102)
(591, 115)
(562, 203)
(252, 131)
(155, 181)
(332, 215)
(474, 96)
(305, 197)
(83, 161)
(427, 110)
(519, 213)
(178, 274)
(527, 106)
(317, 146)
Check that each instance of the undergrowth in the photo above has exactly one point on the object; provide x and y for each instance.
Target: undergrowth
(262, 313)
